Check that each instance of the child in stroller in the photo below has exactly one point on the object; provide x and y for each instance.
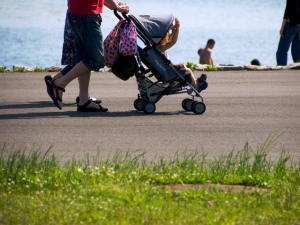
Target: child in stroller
(170, 79)
(166, 43)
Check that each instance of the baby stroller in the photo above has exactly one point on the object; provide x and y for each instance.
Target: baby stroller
(160, 77)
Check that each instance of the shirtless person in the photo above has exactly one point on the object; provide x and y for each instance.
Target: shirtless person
(205, 53)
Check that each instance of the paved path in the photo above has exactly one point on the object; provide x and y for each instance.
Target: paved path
(241, 106)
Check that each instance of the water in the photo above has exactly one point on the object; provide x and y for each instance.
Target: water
(31, 32)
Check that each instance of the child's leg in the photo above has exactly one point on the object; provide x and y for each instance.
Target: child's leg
(200, 83)
(192, 77)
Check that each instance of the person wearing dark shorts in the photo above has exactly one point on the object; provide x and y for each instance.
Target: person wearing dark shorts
(85, 21)
(68, 57)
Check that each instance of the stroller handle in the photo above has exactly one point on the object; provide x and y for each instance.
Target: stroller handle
(120, 17)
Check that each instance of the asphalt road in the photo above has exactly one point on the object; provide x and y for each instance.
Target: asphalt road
(241, 106)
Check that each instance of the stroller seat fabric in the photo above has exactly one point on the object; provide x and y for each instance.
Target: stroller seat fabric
(159, 65)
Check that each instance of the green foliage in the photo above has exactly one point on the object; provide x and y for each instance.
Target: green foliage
(128, 189)
(211, 68)
(3, 69)
(39, 69)
(191, 65)
(19, 69)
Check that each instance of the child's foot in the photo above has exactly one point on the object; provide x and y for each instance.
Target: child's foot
(203, 86)
(202, 78)
(202, 82)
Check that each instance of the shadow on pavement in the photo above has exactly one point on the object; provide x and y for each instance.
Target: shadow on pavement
(32, 105)
(43, 114)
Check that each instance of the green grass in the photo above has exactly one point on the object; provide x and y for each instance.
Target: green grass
(3, 69)
(39, 69)
(191, 65)
(22, 69)
(211, 68)
(129, 189)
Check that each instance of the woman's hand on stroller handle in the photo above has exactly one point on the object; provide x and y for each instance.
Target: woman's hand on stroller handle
(120, 17)
(119, 6)
(122, 8)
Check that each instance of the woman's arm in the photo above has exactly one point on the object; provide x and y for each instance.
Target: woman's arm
(119, 6)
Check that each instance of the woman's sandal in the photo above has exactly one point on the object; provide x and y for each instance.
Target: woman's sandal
(46, 79)
(83, 108)
(95, 100)
(50, 89)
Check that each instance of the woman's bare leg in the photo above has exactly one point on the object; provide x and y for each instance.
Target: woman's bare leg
(83, 74)
(79, 70)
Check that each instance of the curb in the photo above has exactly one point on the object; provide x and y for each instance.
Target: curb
(200, 67)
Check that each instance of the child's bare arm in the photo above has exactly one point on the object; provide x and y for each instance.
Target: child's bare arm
(174, 35)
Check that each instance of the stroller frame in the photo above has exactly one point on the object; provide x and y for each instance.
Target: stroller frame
(170, 80)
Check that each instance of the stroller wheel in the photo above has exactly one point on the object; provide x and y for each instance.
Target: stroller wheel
(198, 107)
(149, 107)
(138, 104)
(183, 103)
(187, 104)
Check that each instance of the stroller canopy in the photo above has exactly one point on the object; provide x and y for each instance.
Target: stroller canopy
(154, 27)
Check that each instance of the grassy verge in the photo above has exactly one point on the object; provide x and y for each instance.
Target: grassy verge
(22, 69)
(128, 189)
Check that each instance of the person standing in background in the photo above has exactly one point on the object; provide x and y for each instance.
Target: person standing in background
(205, 53)
(289, 33)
